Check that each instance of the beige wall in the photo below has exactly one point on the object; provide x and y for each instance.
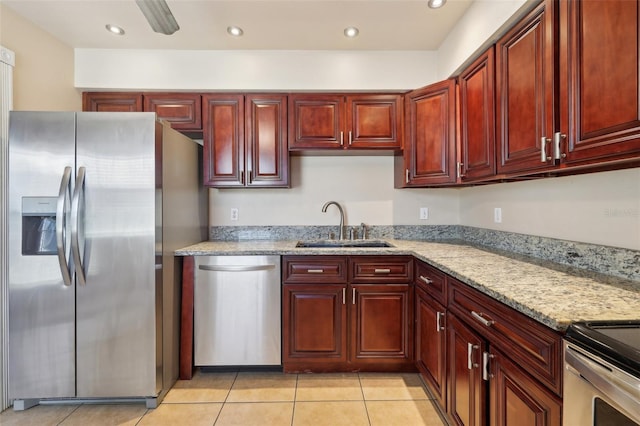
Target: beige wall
(43, 74)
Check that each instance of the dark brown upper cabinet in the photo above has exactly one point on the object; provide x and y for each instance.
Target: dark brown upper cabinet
(112, 101)
(526, 92)
(477, 119)
(245, 140)
(339, 121)
(182, 110)
(430, 150)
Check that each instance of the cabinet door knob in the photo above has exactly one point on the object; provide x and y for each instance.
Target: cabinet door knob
(426, 280)
(484, 321)
(439, 327)
(543, 149)
(470, 348)
(486, 358)
(557, 150)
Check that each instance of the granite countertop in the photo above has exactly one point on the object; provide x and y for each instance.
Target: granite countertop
(550, 293)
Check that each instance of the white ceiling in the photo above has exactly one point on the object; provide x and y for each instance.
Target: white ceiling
(267, 24)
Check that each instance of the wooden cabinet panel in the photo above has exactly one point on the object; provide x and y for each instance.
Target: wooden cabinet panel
(518, 399)
(341, 121)
(528, 342)
(429, 155)
(431, 344)
(314, 269)
(317, 121)
(182, 110)
(235, 158)
(432, 281)
(223, 139)
(314, 318)
(112, 101)
(600, 87)
(374, 121)
(381, 269)
(266, 132)
(467, 392)
(381, 323)
(477, 118)
(525, 91)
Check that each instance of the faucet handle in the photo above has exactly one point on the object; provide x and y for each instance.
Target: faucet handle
(363, 231)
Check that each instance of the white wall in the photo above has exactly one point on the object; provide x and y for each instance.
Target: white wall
(601, 208)
(475, 31)
(362, 185)
(105, 69)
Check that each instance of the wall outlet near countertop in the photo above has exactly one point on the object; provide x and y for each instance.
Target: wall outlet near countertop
(234, 213)
(424, 213)
(497, 215)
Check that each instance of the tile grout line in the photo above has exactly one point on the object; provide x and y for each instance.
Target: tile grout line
(235, 377)
(364, 399)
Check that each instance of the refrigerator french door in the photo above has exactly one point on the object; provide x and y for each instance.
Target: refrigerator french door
(84, 288)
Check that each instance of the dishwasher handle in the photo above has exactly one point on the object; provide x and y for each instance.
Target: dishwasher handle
(237, 268)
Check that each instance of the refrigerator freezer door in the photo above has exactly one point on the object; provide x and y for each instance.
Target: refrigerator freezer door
(41, 307)
(116, 312)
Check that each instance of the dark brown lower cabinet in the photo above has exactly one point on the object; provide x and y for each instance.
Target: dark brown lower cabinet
(431, 344)
(332, 322)
(467, 391)
(517, 399)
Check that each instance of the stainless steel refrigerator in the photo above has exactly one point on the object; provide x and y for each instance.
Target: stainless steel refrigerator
(98, 202)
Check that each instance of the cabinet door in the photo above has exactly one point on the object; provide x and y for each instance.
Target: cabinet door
(381, 327)
(112, 101)
(477, 119)
(516, 399)
(223, 140)
(314, 323)
(467, 391)
(431, 349)
(266, 133)
(525, 92)
(182, 110)
(374, 122)
(600, 87)
(430, 155)
(316, 121)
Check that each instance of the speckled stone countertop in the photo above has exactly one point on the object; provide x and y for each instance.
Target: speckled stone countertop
(552, 294)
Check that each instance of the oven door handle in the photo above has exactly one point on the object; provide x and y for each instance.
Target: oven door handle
(608, 382)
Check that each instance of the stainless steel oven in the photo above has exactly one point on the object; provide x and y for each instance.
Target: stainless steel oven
(602, 374)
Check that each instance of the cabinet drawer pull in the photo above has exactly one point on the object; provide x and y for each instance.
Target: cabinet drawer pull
(470, 364)
(439, 327)
(315, 271)
(426, 280)
(486, 358)
(382, 271)
(483, 320)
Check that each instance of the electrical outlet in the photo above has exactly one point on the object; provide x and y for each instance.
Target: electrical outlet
(234, 213)
(497, 215)
(424, 213)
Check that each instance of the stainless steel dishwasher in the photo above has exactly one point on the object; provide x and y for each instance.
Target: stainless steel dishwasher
(237, 315)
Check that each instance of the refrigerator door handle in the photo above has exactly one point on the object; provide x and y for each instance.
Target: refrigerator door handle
(75, 219)
(64, 194)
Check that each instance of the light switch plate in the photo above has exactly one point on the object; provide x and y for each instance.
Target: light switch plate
(234, 213)
(497, 215)
(424, 213)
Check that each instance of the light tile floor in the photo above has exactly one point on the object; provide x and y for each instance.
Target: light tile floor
(269, 399)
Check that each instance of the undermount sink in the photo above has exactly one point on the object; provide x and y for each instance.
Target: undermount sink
(342, 243)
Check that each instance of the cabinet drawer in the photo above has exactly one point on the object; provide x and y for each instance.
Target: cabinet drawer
(381, 269)
(432, 281)
(536, 348)
(314, 269)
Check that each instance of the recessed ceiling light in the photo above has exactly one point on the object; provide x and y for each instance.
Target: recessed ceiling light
(114, 29)
(435, 4)
(351, 32)
(235, 31)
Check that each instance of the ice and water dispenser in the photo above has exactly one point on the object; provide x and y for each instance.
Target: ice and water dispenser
(39, 225)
